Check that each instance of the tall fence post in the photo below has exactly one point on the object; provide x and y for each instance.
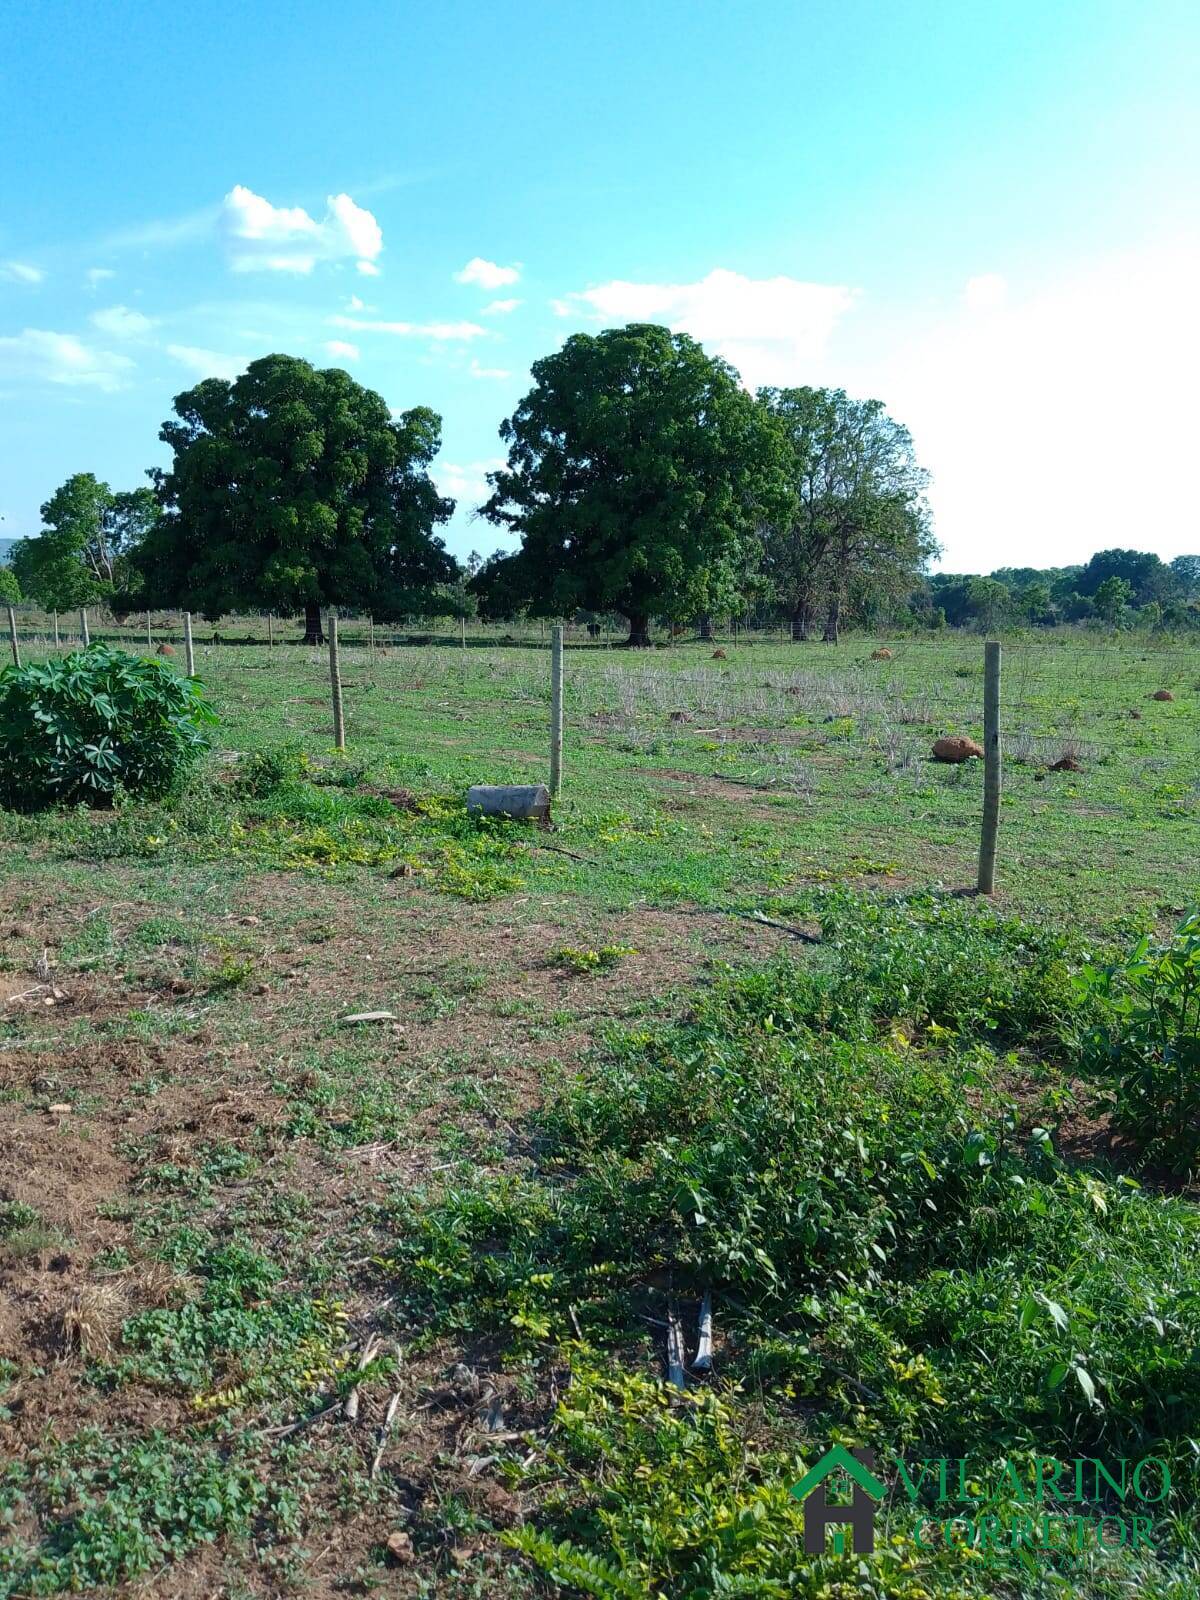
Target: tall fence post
(271, 630)
(56, 639)
(556, 711)
(335, 681)
(189, 649)
(12, 634)
(83, 627)
(149, 635)
(992, 767)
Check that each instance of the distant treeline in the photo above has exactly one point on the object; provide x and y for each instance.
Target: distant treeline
(642, 480)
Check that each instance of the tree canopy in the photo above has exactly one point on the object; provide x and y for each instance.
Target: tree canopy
(84, 551)
(638, 471)
(293, 488)
(858, 526)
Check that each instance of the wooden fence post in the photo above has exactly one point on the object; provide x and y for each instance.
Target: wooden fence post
(12, 634)
(56, 639)
(992, 767)
(335, 681)
(149, 636)
(189, 649)
(271, 629)
(556, 711)
(83, 627)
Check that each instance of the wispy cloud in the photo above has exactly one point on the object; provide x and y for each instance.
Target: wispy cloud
(340, 347)
(119, 322)
(501, 308)
(95, 276)
(262, 237)
(486, 274)
(207, 363)
(466, 482)
(160, 232)
(771, 329)
(62, 358)
(412, 330)
(21, 272)
(477, 371)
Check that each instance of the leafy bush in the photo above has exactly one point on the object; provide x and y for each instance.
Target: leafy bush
(262, 772)
(1149, 1039)
(120, 1509)
(827, 1147)
(80, 728)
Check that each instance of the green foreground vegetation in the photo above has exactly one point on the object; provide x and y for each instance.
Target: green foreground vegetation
(931, 1164)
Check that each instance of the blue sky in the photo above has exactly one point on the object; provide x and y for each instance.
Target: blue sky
(985, 215)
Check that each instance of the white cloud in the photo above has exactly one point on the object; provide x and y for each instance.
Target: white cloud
(119, 322)
(1062, 422)
(987, 292)
(773, 330)
(466, 482)
(486, 274)
(339, 347)
(266, 238)
(501, 308)
(413, 330)
(61, 358)
(98, 275)
(355, 304)
(21, 272)
(368, 269)
(488, 372)
(207, 363)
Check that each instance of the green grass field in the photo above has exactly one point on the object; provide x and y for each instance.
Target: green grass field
(602, 1084)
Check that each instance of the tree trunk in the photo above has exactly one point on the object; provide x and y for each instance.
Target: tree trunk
(800, 624)
(830, 635)
(639, 631)
(313, 632)
(704, 625)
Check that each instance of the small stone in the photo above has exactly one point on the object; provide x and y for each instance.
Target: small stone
(400, 1548)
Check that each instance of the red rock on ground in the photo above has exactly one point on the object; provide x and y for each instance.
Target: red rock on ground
(955, 747)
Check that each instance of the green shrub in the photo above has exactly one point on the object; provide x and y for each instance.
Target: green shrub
(828, 1148)
(97, 721)
(1149, 1039)
(262, 772)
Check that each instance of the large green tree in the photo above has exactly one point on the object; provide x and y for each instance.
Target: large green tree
(84, 551)
(1148, 577)
(293, 488)
(858, 526)
(638, 470)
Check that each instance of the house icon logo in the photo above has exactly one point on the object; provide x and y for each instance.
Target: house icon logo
(859, 1467)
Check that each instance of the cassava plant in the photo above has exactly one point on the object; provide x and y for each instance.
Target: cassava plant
(1148, 1038)
(79, 729)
